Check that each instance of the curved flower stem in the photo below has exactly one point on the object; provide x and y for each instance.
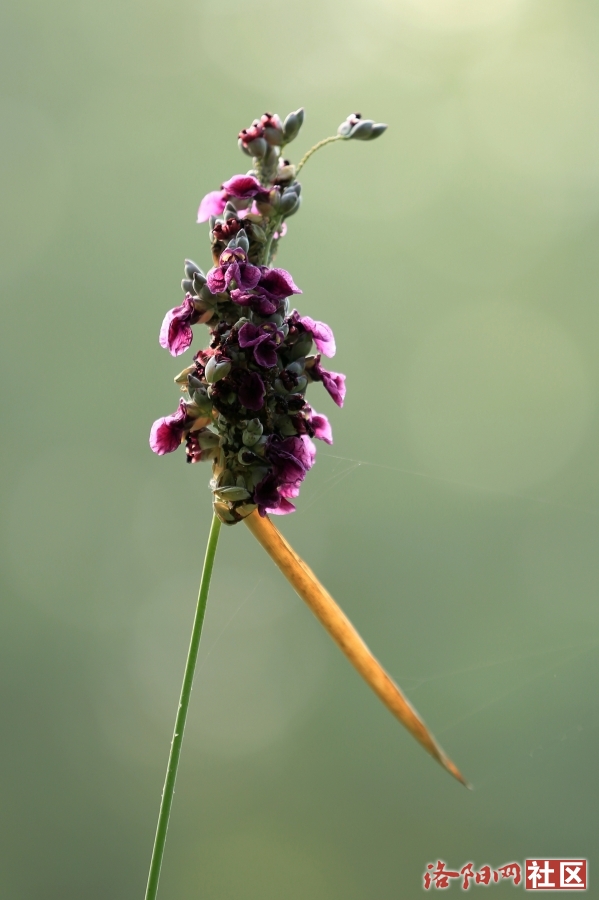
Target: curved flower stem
(306, 156)
(175, 752)
(306, 584)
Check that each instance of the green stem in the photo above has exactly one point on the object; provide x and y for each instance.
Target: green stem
(306, 156)
(175, 752)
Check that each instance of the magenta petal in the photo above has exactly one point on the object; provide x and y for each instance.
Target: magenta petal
(176, 334)
(322, 335)
(213, 204)
(242, 186)
(322, 427)
(334, 383)
(283, 508)
(167, 432)
(277, 283)
(216, 280)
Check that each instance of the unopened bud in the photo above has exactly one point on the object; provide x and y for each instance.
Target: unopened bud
(292, 124)
(242, 240)
(288, 207)
(257, 148)
(215, 370)
(191, 268)
(229, 212)
(199, 280)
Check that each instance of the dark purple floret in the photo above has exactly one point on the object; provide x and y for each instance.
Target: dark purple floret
(265, 341)
(233, 271)
(251, 391)
(276, 284)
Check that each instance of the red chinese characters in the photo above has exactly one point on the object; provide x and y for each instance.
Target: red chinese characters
(438, 876)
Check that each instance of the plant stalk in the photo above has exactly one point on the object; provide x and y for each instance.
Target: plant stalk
(175, 751)
(312, 150)
(334, 620)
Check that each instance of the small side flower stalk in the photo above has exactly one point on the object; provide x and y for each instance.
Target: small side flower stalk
(243, 406)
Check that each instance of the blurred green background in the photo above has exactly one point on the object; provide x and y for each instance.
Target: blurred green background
(456, 518)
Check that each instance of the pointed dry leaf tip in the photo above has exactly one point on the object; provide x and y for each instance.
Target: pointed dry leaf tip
(262, 353)
(334, 620)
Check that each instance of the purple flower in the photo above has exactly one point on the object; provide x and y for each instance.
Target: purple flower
(213, 204)
(291, 457)
(321, 427)
(242, 187)
(264, 339)
(322, 334)
(167, 433)
(176, 334)
(276, 284)
(265, 298)
(256, 301)
(334, 382)
(251, 390)
(233, 267)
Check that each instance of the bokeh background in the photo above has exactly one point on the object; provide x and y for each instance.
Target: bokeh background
(456, 517)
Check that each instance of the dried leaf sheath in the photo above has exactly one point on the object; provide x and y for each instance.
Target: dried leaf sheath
(345, 635)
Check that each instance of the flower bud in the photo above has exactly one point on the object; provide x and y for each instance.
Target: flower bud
(215, 370)
(187, 286)
(243, 147)
(191, 268)
(252, 433)
(361, 131)
(256, 148)
(241, 240)
(229, 211)
(290, 204)
(199, 280)
(292, 124)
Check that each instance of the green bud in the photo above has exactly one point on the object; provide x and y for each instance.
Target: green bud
(377, 130)
(187, 286)
(216, 370)
(242, 240)
(229, 212)
(292, 124)
(289, 203)
(191, 268)
(257, 148)
(199, 280)
(252, 433)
